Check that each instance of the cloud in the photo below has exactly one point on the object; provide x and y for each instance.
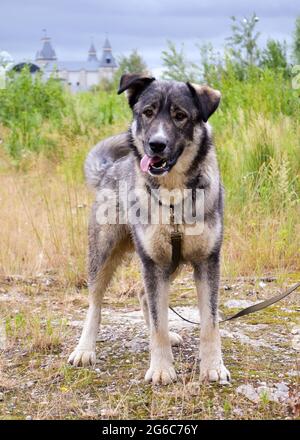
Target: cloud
(145, 25)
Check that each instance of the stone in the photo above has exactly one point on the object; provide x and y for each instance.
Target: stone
(238, 303)
(249, 392)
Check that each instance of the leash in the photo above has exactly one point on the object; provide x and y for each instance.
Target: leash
(176, 240)
(252, 309)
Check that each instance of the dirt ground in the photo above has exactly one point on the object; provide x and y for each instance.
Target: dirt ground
(41, 321)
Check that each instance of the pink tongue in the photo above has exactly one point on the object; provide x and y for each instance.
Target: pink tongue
(145, 163)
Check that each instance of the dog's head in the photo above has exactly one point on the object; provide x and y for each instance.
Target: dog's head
(166, 117)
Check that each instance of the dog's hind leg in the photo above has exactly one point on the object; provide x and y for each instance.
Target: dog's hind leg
(175, 339)
(206, 276)
(103, 261)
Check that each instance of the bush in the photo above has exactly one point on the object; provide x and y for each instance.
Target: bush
(257, 130)
(26, 104)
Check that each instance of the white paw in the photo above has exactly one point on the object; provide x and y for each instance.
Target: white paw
(82, 358)
(161, 374)
(175, 339)
(214, 372)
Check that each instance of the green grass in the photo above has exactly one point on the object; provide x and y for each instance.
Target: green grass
(47, 131)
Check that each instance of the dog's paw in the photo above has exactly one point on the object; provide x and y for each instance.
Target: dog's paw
(175, 339)
(214, 372)
(161, 374)
(82, 358)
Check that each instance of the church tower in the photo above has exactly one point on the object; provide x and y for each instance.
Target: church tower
(47, 53)
(92, 54)
(107, 59)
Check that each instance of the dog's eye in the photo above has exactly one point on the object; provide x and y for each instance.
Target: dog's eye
(179, 116)
(148, 113)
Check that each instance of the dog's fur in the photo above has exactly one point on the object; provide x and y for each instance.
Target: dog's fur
(173, 114)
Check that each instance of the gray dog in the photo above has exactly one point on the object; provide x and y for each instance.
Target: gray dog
(167, 147)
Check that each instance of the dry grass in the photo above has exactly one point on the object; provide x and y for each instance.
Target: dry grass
(259, 244)
(44, 224)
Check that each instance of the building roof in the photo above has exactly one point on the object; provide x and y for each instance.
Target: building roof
(47, 52)
(48, 56)
(92, 48)
(107, 44)
(31, 66)
(107, 59)
(92, 54)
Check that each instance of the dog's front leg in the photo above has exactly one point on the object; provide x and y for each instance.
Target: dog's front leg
(157, 289)
(206, 276)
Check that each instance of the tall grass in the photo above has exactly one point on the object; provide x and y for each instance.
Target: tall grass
(257, 131)
(47, 133)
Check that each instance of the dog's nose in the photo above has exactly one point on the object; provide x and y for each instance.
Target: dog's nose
(157, 144)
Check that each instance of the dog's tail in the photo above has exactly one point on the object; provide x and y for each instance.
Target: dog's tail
(103, 156)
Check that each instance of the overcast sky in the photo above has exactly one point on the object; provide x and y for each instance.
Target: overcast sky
(141, 24)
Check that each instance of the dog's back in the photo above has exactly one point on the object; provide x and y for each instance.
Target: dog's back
(102, 160)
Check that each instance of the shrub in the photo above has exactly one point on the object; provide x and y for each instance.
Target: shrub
(25, 104)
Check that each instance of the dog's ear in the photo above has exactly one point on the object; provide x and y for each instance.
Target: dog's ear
(134, 83)
(207, 99)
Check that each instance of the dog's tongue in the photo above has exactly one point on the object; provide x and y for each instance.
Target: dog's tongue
(146, 161)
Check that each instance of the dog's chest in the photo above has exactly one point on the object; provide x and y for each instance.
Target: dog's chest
(196, 244)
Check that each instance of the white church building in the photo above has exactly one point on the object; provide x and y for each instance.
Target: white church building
(76, 75)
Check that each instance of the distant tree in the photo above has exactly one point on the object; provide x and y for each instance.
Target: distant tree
(210, 63)
(134, 63)
(242, 44)
(176, 65)
(274, 56)
(5, 59)
(296, 42)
